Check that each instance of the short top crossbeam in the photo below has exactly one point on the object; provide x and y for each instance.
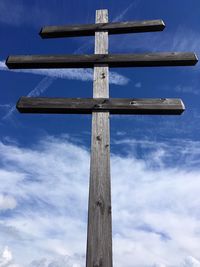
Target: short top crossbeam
(111, 28)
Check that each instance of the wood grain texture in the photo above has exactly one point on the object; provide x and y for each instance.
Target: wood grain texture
(99, 238)
(115, 60)
(111, 28)
(113, 105)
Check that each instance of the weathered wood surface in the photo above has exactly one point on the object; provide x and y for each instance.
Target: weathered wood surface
(115, 60)
(99, 235)
(113, 105)
(112, 28)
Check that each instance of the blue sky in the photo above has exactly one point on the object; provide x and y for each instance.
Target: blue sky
(44, 159)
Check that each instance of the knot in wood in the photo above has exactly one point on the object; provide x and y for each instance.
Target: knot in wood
(98, 106)
(104, 101)
(103, 76)
(109, 210)
(98, 138)
(100, 204)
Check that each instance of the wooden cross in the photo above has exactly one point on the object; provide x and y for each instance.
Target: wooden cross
(99, 233)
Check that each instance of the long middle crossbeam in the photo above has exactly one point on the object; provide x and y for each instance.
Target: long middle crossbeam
(124, 106)
(115, 60)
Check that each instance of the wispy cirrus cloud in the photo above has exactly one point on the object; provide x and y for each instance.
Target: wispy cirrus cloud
(70, 74)
(182, 39)
(188, 89)
(138, 85)
(4, 105)
(16, 13)
(121, 16)
(148, 225)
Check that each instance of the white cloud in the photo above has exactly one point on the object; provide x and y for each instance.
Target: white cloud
(58, 262)
(6, 259)
(187, 89)
(155, 204)
(191, 262)
(138, 85)
(70, 74)
(117, 79)
(6, 256)
(16, 13)
(7, 202)
(5, 106)
(3, 65)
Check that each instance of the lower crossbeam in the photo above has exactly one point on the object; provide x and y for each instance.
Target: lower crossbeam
(160, 106)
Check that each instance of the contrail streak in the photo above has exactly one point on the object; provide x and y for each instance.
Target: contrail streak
(125, 11)
(38, 90)
(41, 87)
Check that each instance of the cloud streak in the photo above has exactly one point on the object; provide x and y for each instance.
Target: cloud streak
(37, 91)
(70, 74)
(125, 11)
(16, 13)
(182, 39)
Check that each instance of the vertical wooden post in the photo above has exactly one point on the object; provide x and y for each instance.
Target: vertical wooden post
(99, 236)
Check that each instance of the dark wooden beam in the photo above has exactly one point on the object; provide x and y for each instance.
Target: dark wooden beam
(113, 105)
(111, 28)
(88, 61)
